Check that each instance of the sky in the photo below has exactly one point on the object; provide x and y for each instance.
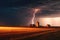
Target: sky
(20, 12)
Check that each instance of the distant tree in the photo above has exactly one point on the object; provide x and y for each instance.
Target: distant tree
(48, 25)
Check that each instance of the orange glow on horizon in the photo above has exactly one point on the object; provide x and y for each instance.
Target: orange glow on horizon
(17, 29)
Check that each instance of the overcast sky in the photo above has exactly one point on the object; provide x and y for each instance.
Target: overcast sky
(19, 12)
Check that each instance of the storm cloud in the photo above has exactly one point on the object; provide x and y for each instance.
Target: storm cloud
(19, 12)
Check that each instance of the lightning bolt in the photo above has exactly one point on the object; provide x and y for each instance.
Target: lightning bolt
(35, 11)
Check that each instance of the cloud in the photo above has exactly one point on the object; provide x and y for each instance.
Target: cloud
(15, 13)
(50, 9)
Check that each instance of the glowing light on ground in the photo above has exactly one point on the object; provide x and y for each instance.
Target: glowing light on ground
(19, 30)
(52, 21)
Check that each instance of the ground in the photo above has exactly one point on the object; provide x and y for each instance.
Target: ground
(24, 33)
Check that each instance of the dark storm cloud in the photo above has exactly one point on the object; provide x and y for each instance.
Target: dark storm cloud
(15, 3)
(13, 16)
(25, 15)
(19, 12)
(8, 16)
(52, 8)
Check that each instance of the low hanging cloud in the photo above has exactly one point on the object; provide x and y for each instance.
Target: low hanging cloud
(50, 10)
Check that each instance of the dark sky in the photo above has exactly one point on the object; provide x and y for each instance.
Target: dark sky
(19, 12)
